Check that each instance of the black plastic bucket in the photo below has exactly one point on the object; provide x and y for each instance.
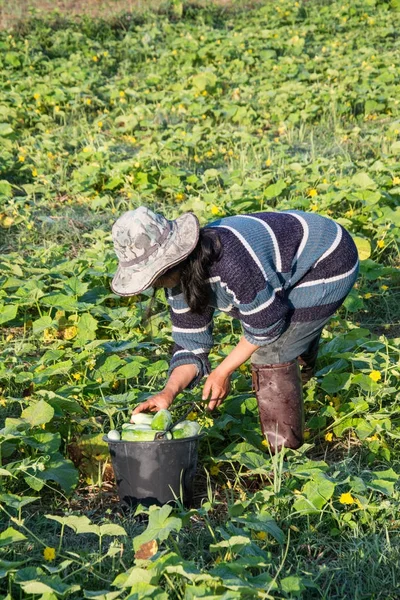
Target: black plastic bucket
(154, 472)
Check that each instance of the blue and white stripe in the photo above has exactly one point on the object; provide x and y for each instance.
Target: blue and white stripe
(273, 266)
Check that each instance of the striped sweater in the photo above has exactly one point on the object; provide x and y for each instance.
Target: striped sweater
(274, 267)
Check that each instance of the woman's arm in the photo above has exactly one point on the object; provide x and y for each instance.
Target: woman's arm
(179, 379)
(217, 385)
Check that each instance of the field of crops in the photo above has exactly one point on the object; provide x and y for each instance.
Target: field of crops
(215, 111)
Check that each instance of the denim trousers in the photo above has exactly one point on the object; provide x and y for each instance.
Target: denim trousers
(298, 339)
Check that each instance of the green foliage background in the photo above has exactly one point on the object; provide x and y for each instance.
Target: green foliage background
(289, 105)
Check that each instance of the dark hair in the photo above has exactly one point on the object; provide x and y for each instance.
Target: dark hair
(195, 270)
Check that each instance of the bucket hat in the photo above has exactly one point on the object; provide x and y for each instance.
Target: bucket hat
(147, 244)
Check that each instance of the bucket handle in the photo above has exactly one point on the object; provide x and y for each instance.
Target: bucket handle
(161, 434)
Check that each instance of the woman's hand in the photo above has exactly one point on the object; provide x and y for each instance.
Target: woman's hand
(217, 387)
(162, 400)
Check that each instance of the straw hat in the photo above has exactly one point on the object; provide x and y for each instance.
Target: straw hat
(147, 244)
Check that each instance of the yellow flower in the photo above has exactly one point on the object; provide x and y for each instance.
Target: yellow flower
(368, 296)
(307, 435)
(36, 96)
(179, 197)
(122, 94)
(396, 180)
(373, 438)
(375, 375)
(384, 288)
(347, 498)
(21, 158)
(100, 124)
(312, 193)
(2, 401)
(49, 553)
(34, 173)
(9, 337)
(261, 535)
(380, 244)
(192, 416)
(214, 470)
(265, 443)
(76, 376)
(314, 207)
(196, 158)
(268, 162)
(95, 58)
(99, 380)
(215, 210)
(204, 93)
(349, 213)
(88, 101)
(329, 436)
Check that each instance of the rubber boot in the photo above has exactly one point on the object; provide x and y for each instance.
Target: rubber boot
(308, 360)
(280, 403)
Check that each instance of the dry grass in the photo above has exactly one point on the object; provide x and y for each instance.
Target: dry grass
(14, 12)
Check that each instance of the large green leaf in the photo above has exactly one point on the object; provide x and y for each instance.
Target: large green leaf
(316, 494)
(235, 544)
(81, 524)
(60, 470)
(8, 312)
(10, 536)
(87, 326)
(363, 247)
(38, 413)
(159, 527)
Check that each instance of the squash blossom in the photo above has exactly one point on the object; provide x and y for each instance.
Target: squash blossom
(375, 375)
(49, 553)
(329, 436)
(347, 498)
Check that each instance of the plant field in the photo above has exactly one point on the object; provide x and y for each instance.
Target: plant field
(216, 111)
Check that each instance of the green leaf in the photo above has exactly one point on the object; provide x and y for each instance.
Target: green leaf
(160, 366)
(365, 382)
(159, 527)
(262, 521)
(292, 585)
(10, 536)
(316, 494)
(203, 80)
(87, 326)
(275, 189)
(363, 247)
(363, 181)
(235, 544)
(60, 301)
(81, 524)
(101, 594)
(334, 382)
(5, 189)
(134, 576)
(141, 590)
(41, 324)
(62, 471)
(17, 502)
(60, 368)
(131, 369)
(8, 312)
(38, 413)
